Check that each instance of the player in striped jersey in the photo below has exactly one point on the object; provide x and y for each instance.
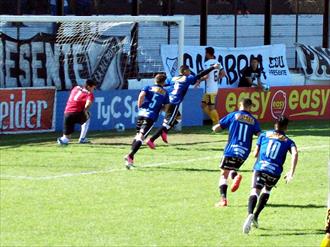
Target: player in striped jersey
(271, 150)
(151, 100)
(179, 86)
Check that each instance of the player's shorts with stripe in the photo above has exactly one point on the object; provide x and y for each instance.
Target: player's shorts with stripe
(327, 224)
(72, 118)
(231, 163)
(261, 179)
(173, 115)
(144, 125)
(209, 98)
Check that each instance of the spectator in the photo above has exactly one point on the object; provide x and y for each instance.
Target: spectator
(251, 75)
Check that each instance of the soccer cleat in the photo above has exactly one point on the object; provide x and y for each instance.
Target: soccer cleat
(255, 222)
(84, 141)
(164, 136)
(129, 162)
(151, 144)
(247, 224)
(222, 203)
(236, 183)
(60, 142)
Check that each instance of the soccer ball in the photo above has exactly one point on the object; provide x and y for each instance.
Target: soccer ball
(120, 127)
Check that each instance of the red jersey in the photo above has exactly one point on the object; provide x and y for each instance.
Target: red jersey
(77, 99)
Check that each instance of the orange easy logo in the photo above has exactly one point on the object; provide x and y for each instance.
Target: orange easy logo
(278, 104)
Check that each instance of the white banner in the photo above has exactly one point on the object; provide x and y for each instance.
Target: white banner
(315, 61)
(272, 59)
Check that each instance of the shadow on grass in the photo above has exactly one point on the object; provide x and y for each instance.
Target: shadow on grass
(293, 232)
(272, 205)
(175, 169)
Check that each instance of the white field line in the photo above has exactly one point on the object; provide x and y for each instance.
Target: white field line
(83, 173)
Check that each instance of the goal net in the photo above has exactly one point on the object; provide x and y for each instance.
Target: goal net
(64, 51)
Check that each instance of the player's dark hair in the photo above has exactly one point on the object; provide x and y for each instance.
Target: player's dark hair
(255, 58)
(281, 123)
(90, 83)
(183, 68)
(246, 102)
(160, 78)
(209, 50)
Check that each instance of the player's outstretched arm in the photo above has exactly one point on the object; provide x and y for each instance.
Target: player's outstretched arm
(294, 160)
(205, 72)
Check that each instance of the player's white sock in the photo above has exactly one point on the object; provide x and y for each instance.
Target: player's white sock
(84, 129)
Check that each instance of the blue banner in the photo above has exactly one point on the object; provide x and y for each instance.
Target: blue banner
(116, 107)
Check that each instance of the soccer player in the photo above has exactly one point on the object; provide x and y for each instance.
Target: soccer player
(179, 87)
(77, 111)
(272, 147)
(150, 102)
(211, 85)
(242, 126)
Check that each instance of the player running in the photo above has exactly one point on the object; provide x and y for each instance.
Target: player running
(179, 87)
(211, 85)
(150, 102)
(272, 147)
(77, 112)
(242, 126)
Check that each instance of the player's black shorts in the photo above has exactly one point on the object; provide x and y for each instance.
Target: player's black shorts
(173, 115)
(231, 163)
(262, 179)
(72, 118)
(327, 224)
(144, 125)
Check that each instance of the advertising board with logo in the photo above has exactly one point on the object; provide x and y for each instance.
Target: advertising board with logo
(26, 110)
(117, 109)
(272, 62)
(297, 103)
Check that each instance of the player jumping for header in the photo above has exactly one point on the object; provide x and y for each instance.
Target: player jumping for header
(179, 87)
(77, 111)
(150, 102)
(272, 147)
(242, 125)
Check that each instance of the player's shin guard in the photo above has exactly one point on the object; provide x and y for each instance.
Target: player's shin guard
(135, 147)
(84, 129)
(261, 204)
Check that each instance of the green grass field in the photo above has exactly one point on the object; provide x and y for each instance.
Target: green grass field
(82, 195)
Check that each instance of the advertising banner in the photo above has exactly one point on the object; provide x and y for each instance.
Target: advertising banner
(40, 61)
(273, 64)
(297, 103)
(27, 110)
(117, 108)
(315, 61)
